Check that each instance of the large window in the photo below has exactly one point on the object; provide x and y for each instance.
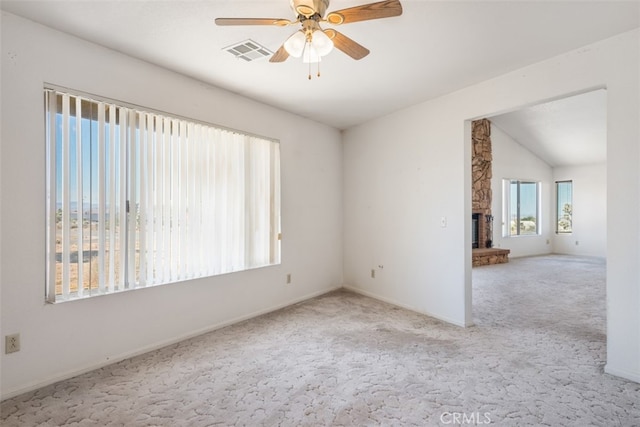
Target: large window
(564, 206)
(138, 198)
(521, 207)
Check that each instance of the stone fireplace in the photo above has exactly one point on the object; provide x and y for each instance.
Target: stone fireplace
(481, 217)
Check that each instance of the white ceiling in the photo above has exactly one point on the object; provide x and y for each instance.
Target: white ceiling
(434, 48)
(565, 132)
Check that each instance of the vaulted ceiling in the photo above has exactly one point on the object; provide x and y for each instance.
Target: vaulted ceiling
(566, 132)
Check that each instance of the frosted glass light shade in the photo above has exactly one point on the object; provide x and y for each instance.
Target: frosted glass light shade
(295, 44)
(321, 43)
(310, 55)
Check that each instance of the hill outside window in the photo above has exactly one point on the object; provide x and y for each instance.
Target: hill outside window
(137, 198)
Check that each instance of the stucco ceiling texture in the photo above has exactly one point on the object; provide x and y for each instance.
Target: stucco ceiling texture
(434, 48)
(566, 132)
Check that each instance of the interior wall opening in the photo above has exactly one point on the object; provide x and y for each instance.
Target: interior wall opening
(558, 141)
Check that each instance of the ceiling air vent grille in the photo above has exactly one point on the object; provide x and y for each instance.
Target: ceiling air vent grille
(248, 50)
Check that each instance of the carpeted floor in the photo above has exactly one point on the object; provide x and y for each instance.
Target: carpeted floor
(535, 357)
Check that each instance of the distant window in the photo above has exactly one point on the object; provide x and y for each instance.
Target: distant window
(138, 198)
(564, 206)
(521, 207)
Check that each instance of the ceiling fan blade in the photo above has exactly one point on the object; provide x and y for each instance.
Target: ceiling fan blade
(345, 44)
(381, 9)
(253, 21)
(281, 55)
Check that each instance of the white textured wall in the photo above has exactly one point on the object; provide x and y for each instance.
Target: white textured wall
(405, 171)
(589, 211)
(64, 339)
(512, 161)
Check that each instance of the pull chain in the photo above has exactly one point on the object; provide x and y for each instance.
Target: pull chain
(318, 74)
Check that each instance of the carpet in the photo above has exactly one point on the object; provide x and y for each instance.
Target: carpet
(534, 357)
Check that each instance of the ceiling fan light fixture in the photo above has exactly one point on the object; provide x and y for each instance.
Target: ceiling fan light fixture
(295, 44)
(312, 38)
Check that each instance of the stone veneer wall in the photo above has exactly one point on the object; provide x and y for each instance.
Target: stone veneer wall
(481, 175)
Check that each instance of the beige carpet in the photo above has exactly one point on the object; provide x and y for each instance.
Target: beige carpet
(535, 357)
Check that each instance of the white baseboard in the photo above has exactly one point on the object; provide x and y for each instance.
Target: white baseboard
(405, 306)
(111, 360)
(632, 376)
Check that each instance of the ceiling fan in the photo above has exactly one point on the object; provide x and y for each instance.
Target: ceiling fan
(311, 41)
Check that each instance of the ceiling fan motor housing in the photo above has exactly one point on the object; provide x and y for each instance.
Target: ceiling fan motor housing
(308, 8)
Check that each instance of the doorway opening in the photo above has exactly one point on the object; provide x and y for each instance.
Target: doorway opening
(556, 141)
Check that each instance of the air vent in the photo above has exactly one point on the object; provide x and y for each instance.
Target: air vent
(248, 50)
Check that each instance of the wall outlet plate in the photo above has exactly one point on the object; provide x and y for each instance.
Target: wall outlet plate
(11, 343)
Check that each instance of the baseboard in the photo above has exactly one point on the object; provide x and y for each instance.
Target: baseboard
(405, 306)
(111, 360)
(632, 376)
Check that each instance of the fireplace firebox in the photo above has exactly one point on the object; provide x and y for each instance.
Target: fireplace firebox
(481, 230)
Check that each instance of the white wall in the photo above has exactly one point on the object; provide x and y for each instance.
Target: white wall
(403, 174)
(64, 339)
(589, 220)
(512, 161)
(405, 171)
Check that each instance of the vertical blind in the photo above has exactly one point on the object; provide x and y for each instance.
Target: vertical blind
(137, 198)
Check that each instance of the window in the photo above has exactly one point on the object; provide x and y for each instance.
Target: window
(521, 208)
(564, 206)
(138, 198)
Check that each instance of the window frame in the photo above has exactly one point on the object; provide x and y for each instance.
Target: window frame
(256, 156)
(558, 217)
(507, 201)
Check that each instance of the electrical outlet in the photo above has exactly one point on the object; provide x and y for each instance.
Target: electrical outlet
(373, 274)
(11, 343)
(288, 278)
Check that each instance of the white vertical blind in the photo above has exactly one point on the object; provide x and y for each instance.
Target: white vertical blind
(101, 197)
(144, 208)
(66, 200)
(80, 194)
(175, 199)
(150, 246)
(51, 128)
(166, 198)
(132, 201)
(121, 207)
(113, 244)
